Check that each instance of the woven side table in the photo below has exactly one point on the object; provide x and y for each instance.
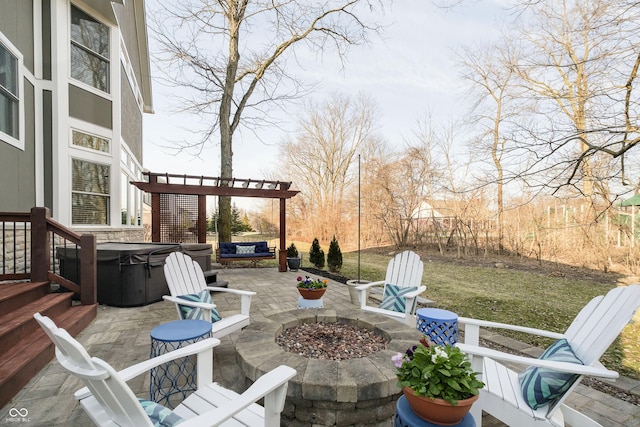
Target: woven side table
(179, 376)
(441, 326)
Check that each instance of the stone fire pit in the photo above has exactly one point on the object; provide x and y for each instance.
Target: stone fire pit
(351, 392)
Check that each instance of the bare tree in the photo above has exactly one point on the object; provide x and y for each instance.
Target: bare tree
(230, 55)
(322, 156)
(397, 184)
(490, 70)
(581, 65)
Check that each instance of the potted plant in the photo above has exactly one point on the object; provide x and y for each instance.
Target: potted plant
(293, 259)
(437, 381)
(311, 288)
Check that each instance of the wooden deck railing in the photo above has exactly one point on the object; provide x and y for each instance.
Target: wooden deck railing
(29, 242)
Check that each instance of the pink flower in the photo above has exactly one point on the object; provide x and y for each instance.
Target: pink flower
(397, 359)
(299, 278)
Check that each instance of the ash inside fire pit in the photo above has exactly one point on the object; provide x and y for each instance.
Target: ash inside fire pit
(332, 341)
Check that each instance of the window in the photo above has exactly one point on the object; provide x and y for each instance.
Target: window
(82, 139)
(89, 50)
(9, 93)
(89, 193)
(131, 196)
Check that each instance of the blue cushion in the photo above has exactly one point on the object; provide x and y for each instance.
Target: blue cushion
(227, 248)
(394, 298)
(261, 247)
(159, 415)
(540, 386)
(196, 312)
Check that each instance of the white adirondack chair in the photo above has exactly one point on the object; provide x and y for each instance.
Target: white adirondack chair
(109, 401)
(404, 270)
(590, 334)
(184, 276)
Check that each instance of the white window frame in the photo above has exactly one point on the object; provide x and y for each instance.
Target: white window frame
(133, 171)
(5, 137)
(109, 195)
(93, 134)
(79, 83)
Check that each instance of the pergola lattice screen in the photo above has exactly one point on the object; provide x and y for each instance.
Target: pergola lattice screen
(179, 218)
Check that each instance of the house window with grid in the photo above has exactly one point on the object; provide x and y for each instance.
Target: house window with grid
(90, 193)
(89, 50)
(9, 95)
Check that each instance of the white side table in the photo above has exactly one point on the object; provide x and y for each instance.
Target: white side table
(310, 303)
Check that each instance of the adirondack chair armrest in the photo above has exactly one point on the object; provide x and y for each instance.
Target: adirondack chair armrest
(472, 329)
(245, 297)
(573, 368)
(176, 300)
(272, 386)
(415, 293)
(230, 291)
(368, 285)
(201, 348)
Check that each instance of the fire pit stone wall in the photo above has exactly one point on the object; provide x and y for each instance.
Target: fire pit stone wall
(351, 392)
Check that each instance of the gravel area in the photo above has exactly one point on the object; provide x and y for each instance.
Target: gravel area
(332, 341)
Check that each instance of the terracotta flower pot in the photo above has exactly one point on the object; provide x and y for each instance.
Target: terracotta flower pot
(438, 411)
(312, 293)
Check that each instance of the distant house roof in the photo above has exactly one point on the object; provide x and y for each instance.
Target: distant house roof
(434, 208)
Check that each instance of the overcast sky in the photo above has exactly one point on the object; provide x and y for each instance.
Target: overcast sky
(409, 74)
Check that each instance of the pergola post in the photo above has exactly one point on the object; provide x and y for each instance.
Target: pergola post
(282, 254)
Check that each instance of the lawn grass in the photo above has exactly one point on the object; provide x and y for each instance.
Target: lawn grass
(510, 296)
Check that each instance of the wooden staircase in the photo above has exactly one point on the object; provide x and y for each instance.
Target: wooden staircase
(24, 347)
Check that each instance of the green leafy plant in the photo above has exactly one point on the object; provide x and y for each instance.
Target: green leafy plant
(292, 251)
(437, 372)
(309, 283)
(334, 256)
(316, 254)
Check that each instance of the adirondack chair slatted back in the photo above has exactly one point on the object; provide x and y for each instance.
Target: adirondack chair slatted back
(601, 321)
(110, 391)
(184, 275)
(405, 270)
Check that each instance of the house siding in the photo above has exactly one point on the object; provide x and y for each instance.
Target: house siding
(18, 191)
(126, 18)
(16, 22)
(89, 107)
(36, 171)
(47, 142)
(131, 118)
(46, 39)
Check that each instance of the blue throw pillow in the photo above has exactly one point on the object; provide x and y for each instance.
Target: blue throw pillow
(159, 415)
(196, 312)
(394, 298)
(540, 386)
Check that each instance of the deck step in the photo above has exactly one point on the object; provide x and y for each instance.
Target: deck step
(23, 360)
(18, 323)
(17, 294)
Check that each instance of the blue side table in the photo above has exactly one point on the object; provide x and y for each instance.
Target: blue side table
(405, 417)
(178, 376)
(441, 326)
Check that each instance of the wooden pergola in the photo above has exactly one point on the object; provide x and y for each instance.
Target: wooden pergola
(201, 186)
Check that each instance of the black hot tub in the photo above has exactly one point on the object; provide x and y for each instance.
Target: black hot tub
(129, 274)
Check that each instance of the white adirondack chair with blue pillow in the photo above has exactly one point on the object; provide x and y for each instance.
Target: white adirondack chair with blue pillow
(402, 286)
(536, 396)
(192, 296)
(109, 401)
